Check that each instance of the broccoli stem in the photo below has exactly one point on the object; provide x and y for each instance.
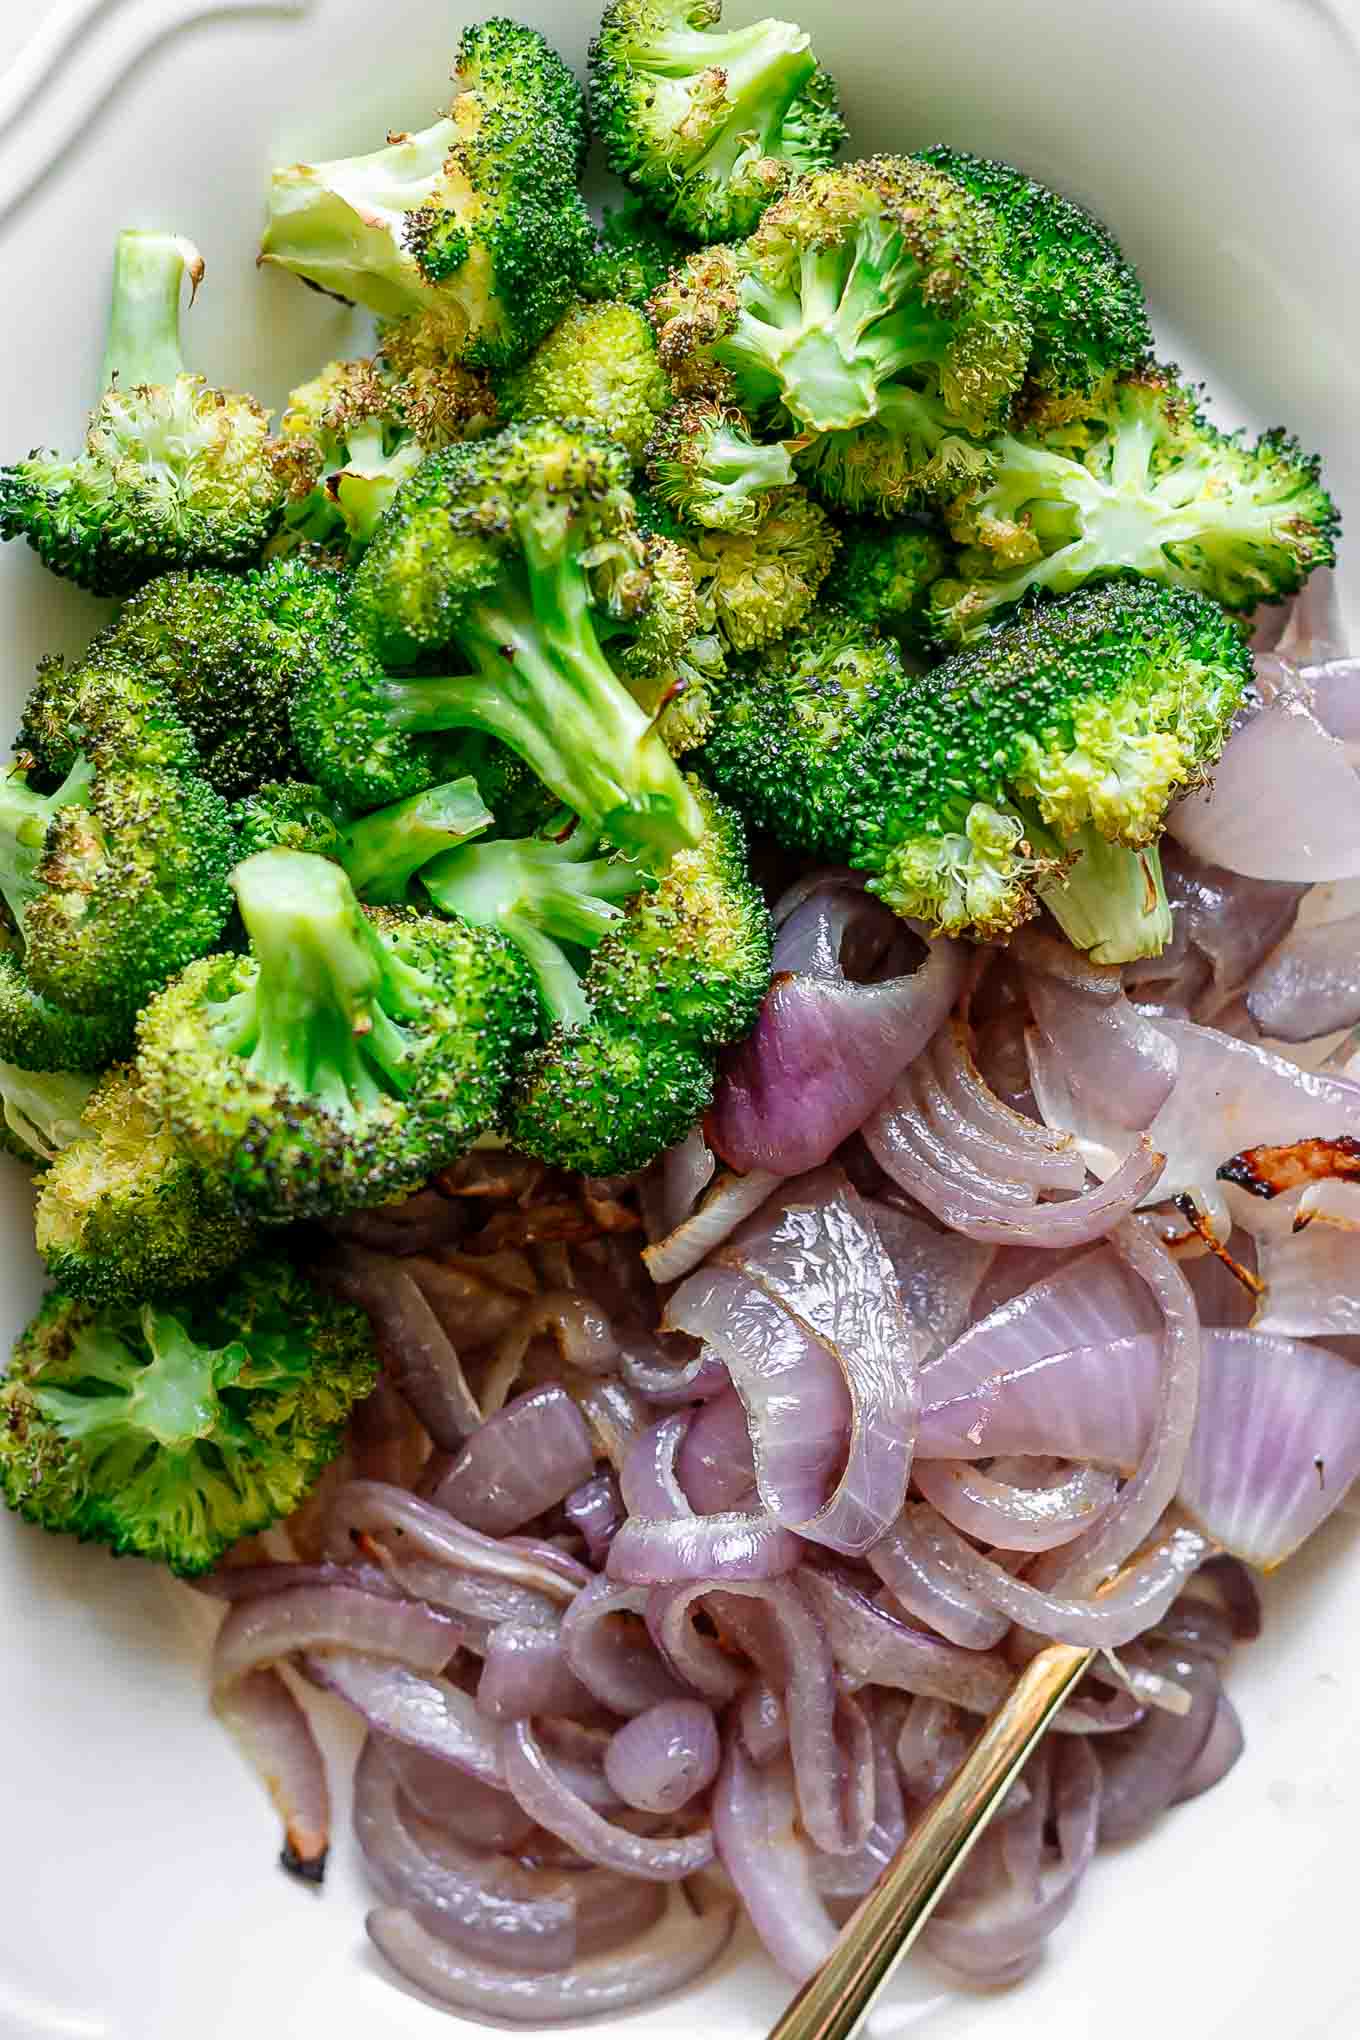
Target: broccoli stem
(173, 1399)
(1112, 901)
(42, 1108)
(764, 68)
(382, 852)
(142, 348)
(25, 818)
(314, 1020)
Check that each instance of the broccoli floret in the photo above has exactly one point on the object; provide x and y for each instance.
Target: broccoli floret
(555, 898)
(349, 438)
(985, 782)
(381, 852)
(598, 364)
(174, 1429)
(710, 124)
(884, 574)
(37, 1034)
(1090, 319)
(753, 586)
(786, 740)
(679, 698)
(474, 223)
(351, 1054)
(501, 553)
(607, 1103)
(871, 313)
(1144, 485)
(635, 253)
(173, 473)
(124, 1213)
(705, 467)
(40, 1111)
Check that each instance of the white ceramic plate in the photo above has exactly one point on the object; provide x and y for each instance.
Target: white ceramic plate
(1221, 138)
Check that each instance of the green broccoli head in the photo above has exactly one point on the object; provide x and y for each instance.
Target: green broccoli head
(124, 1212)
(381, 852)
(598, 364)
(872, 313)
(753, 586)
(710, 124)
(474, 224)
(884, 574)
(114, 880)
(40, 1111)
(37, 1034)
(555, 897)
(705, 467)
(173, 473)
(1079, 722)
(605, 1102)
(350, 1055)
(1146, 485)
(635, 253)
(786, 742)
(173, 1429)
(507, 558)
(348, 439)
(1090, 318)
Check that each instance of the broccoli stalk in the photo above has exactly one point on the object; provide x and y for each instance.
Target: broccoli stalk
(1107, 898)
(703, 465)
(40, 1111)
(172, 1430)
(26, 819)
(383, 852)
(173, 473)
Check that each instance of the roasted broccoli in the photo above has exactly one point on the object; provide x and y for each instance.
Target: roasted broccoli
(474, 224)
(37, 1034)
(709, 123)
(349, 438)
(1147, 485)
(755, 585)
(679, 698)
(872, 312)
(350, 1054)
(884, 573)
(635, 253)
(173, 473)
(705, 467)
(681, 973)
(598, 364)
(1090, 320)
(40, 1111)
(789, 723)
(381, 852)
(124, 1212)
(174, 1429)
(508, 557)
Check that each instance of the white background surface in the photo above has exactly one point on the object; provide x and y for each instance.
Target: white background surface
(138, 1897)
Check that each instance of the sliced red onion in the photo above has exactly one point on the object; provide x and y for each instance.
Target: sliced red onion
(1013, 1517)
(1227, 921)
(616, 1416)
(938, 1274)
(686, 1172)
(1142, 1595)
(1223, 1747)
(530, 1775)
(763, 1721)
(661, 1760)
(1334, 685)
(1144, 1769)
(1270, 1409)
(871, 1648)
(275, 1737)
(1222, 1297)
(1312, 1283)
(525, 1671)
(730, 1199)
(1310, 985)
(925, 1585)
(479, 1605)
(850, 1876)
(1109, 1052)
(423, 1529)
(715, 1464)
(611, 1653)
(595, 1509)
(529, 1455)
(683, 1944)
(1285, 802)
(453, 1801)
(699, 1664)
(825, 1050)
(656, 1551)
(1238, 1593)
(420, 1359)
(1002, 1144)
(670, 1371)
(648, 1479)
(933, 1741)
(260, 1632)
(755, 1825)
(994, 1932)
(428, 1713)
(248, 1582)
